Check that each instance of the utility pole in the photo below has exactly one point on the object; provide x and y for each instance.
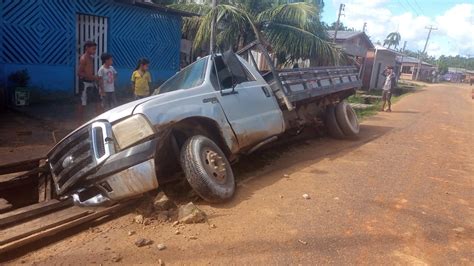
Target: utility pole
(364, 28)
(341, 8)
(212, 42)
(420, 57)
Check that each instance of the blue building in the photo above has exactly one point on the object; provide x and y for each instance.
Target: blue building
(46, 37)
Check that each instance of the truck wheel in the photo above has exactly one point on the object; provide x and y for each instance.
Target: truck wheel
(331, 123)
(207, 169)
(347, 119)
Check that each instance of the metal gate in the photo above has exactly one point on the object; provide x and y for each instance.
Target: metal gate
(90, 28)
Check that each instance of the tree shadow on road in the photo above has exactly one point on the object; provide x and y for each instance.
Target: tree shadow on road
(271, 165)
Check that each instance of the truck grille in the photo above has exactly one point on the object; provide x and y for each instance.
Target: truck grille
(79, 154)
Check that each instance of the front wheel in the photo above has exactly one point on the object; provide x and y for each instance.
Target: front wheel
(207, 169)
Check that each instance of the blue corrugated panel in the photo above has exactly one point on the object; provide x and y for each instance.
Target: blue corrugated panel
(40, 36)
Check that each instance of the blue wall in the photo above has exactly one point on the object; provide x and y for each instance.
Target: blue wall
(40, 36)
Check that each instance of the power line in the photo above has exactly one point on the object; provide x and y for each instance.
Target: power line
(403, 6)
(419, 8)
(412, 7)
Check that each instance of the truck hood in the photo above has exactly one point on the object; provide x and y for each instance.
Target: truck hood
(121, 111)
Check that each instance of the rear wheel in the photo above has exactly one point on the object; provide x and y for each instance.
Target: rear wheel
(331, 123)
(207, 169)
(347, 119)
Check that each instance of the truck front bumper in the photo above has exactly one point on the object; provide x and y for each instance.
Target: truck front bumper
(125, 174)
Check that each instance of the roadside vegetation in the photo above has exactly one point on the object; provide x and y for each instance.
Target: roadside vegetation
(366, 108)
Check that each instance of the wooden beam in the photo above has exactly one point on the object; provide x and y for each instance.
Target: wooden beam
(32, 211)
(54, 230)
(42, 223)
(20, 166)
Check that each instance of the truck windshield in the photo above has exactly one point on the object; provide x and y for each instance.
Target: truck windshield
(190, 77)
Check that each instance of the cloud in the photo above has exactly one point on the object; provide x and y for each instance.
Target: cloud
(455, 34)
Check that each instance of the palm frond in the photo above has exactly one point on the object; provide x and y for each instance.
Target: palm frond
(298, 44)
(301, 15)
(228, 18)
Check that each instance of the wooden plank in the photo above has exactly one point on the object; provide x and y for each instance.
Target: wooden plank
(41, 223)
(20, 166)
(32, 210)
(4, 205)
(54, 230)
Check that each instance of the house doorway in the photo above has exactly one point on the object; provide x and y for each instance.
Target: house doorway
(90, 28)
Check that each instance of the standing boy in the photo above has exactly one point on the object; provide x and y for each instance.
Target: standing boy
(88, 91)
(387, 88)
(107, 75)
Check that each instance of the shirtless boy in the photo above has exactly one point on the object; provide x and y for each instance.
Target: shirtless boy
(88, 90)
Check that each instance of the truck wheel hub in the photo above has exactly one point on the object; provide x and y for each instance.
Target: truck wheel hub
(215, 165)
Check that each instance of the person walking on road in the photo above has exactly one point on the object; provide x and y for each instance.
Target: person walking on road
(141, 79)
(88, 91)
(107, 75)
(388, 86)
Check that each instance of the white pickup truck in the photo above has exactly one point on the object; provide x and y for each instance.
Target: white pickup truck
(199, 122)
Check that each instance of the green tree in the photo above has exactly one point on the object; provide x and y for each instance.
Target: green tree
(392, 39)
(294, 30)
(341, 27)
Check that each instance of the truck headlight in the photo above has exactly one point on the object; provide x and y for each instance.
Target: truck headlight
(132, 130)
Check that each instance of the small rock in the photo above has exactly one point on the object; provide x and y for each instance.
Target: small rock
(138, 219)
(213, 226)
(302, 242)
(459, 229)
(161, 246)
(146, 222)
(177, 232)
(193, 237)
(161, 262)
(306, 196)
(117, 258)
(143, 242)
(286, 176)
(162, 216)
(190, 214)
(131, 233)
(175, 223)
(336, 198)
(281, 196)
(163, 203)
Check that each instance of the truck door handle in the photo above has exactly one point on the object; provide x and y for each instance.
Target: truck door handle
(265, 90)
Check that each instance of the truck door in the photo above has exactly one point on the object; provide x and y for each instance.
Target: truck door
(248, 102)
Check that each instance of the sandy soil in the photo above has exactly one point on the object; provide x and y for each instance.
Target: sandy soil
(401, 194)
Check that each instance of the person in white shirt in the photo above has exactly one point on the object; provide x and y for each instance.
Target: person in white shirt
(107, 76)
(387, 88)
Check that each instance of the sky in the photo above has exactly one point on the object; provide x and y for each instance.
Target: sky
(454, 20)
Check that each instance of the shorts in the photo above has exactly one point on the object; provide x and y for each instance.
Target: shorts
(109, 100)
(386, 95)
(88, 92)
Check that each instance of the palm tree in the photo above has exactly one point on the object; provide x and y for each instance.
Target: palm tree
(294, 30)
(393, 38)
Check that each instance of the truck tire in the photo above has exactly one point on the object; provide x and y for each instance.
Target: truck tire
(331, 123)
(207, 169)
(347, 119)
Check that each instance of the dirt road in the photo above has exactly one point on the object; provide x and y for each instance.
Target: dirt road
(402, 194)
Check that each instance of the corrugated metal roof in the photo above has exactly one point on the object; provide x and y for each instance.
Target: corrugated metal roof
(344, 35)
(151, 5)
(411, 60)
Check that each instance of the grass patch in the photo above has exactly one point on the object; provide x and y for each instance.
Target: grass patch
(403, 88)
